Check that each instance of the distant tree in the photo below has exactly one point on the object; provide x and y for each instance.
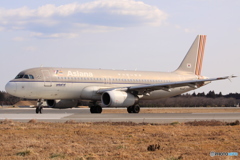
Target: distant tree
(6, 98)
(233, 95)
(201, 94)
(211, 94)
(220, 94)
(1, 96)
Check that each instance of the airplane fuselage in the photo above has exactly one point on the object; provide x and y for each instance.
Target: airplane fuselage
(72, 83)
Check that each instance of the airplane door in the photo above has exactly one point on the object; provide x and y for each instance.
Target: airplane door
(47, 78)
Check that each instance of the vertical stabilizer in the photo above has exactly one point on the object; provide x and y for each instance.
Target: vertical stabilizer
(192, 63)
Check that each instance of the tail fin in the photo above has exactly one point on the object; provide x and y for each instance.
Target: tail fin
(192, 63)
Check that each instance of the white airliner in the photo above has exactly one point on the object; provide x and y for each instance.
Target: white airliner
(64, 87)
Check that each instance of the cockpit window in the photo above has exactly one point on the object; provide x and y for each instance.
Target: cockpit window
(26, 76)
(19, 76)
(31, 76)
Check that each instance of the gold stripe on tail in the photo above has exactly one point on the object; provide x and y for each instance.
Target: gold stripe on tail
(201, 48)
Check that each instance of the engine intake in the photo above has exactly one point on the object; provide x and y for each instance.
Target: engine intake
(118, 99)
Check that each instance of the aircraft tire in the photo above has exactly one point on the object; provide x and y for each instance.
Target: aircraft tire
(40, 110)
(92, 109)
(37, 110)
(130, 109)
(136, 108)
(96, 109)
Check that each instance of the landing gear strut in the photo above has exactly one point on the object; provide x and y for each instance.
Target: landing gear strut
(39, 107)
(95, 108)
(133, 109)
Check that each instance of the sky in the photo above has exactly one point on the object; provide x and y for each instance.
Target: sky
(144, 35)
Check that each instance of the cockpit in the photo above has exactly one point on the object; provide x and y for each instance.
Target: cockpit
(24, 76)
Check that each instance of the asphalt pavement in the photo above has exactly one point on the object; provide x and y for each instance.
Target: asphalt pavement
(84, 115)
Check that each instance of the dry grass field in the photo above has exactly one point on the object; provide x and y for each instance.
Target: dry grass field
(177, 110)
(125, 140)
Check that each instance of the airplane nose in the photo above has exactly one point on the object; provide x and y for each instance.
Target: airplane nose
(11, 88)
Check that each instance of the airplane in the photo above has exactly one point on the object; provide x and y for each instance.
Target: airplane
(64, 87)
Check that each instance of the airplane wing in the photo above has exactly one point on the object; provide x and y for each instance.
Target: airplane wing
(165, 86)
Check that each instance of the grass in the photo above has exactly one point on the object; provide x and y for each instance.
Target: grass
(117, 140)
(177, 110)
(24, 153)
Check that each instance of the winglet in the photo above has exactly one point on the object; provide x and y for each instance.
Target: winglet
(230, 77)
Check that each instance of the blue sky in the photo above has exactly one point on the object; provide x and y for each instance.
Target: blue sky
(149, 35)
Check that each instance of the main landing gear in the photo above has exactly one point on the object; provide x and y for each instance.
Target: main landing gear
(39, 107)
(95, 108)
(133, 109)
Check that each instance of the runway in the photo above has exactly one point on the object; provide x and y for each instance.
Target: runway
(83, 115)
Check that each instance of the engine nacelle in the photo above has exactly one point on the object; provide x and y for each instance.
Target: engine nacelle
(62, 103)
(118, 99)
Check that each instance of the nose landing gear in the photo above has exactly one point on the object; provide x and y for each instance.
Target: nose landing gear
(39, 109)
(39, 106)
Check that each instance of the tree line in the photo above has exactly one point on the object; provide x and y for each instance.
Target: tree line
(185, 100)
(7, 99)
(211, 99)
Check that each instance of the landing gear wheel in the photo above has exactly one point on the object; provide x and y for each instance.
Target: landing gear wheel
(39, 106)
(92, 109)
(136, 109)
(129, 109)
(39, 109)
(133, 109)
(96, 109)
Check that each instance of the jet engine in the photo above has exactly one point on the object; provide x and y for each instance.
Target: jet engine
(62, 103)
(118, 99)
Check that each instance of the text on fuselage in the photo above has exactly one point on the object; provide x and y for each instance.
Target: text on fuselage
(79, 74)
(61, 85)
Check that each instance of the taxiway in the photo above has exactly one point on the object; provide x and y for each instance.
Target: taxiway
(83, 115)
